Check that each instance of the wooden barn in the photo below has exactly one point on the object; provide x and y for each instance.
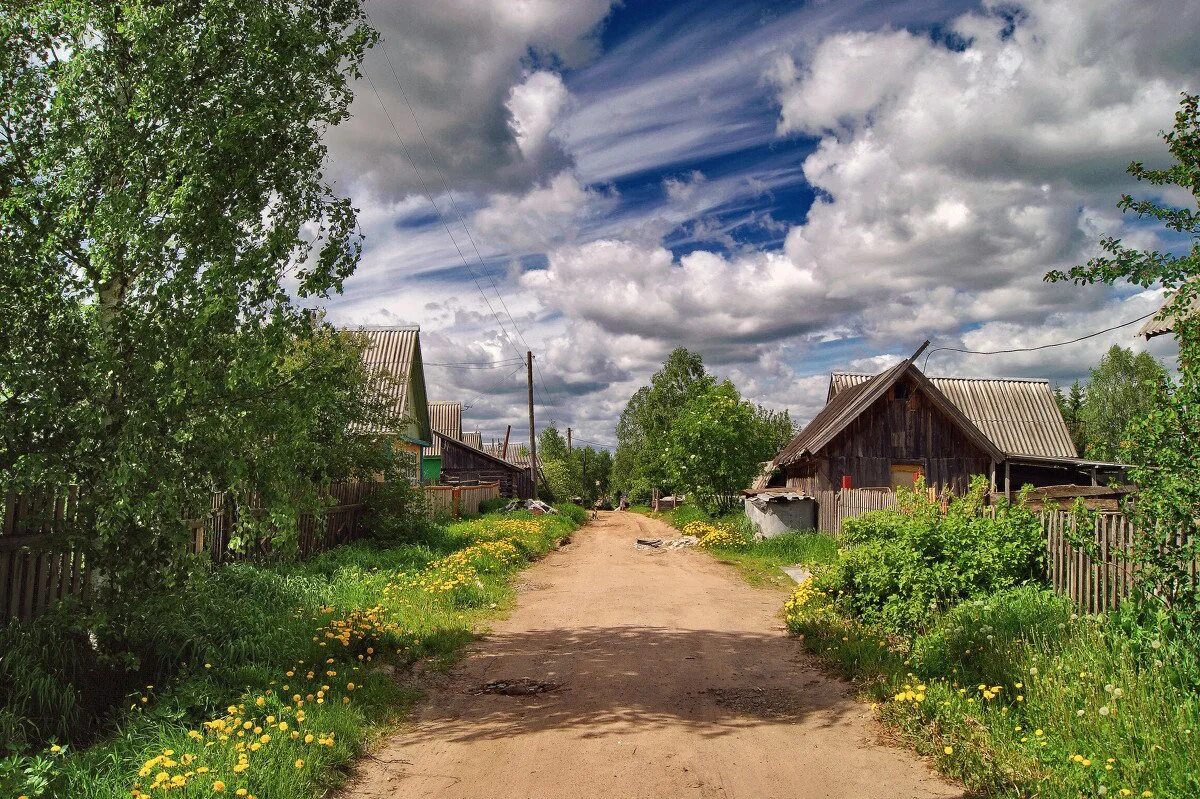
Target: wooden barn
(463, 462)
(889, 429)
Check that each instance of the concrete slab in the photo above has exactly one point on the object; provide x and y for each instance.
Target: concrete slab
(798, 573)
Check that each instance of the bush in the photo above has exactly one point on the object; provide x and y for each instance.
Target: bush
(397, 513)
(494, 505)
(904, 566)
(578, 515)
(990, 640)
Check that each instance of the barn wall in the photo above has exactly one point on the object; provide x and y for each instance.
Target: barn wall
(463, 463)
(894, 429)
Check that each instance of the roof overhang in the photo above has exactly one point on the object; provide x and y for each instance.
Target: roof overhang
(1065, 463)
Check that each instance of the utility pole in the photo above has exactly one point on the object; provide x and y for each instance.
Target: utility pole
(504, 449)
(569, 440)
(532, 435)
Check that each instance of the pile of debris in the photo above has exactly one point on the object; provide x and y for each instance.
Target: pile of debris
(668, 543)
(534, 506)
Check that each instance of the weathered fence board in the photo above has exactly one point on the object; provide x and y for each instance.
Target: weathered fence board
(834, 507)
(457, 501)
(40, 563)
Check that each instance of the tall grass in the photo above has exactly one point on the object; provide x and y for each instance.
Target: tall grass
(1018, 696)
(309, 646)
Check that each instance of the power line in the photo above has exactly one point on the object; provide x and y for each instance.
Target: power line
(475, 364)
(429, 196)
(1039, 347)
(462, 221)
(468, 405)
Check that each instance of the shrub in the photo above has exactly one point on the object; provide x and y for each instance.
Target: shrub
(397, 513)
(575, 513)
(903, 566)
(494, 505)
(990, 640)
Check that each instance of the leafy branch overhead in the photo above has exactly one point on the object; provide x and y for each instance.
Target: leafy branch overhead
(162, 201)
(1161, 442)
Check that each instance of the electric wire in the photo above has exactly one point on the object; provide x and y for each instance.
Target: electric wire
(441, 217)
(462, 221)
(1039, 347)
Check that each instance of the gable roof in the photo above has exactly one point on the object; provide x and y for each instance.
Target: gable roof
(445, 418)
(1018, 415)
(449, 442)
(851, 402)
(395, 353)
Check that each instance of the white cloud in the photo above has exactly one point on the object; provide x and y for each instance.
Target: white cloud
(535, 107)
(545, 216)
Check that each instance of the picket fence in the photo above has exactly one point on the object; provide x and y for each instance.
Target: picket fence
(41, 560)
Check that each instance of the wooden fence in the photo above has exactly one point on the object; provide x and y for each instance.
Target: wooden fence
(833, 507)
(456, 501)
(37, 564)
(1093, 567)
(41, 557)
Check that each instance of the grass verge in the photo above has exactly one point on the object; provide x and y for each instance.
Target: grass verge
(270, 678)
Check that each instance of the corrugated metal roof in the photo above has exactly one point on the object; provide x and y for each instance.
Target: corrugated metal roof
(473, 439)
(1019, 416)
(391, 356)
(1155, 326)
(514, 455)
(444, 418)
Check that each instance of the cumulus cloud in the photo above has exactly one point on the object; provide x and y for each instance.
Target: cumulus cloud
(545, 216)
(951, 173)
(464, 66)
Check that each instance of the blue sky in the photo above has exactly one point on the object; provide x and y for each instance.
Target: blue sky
(787, 188)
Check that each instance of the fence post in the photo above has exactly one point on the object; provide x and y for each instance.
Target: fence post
(455, 501)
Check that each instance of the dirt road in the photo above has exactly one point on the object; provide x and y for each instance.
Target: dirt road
(676, 679)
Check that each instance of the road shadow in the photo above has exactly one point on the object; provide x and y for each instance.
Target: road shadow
(618, 680)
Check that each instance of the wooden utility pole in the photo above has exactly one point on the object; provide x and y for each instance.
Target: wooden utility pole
(532, 435)
(504, 449)
(569, 440)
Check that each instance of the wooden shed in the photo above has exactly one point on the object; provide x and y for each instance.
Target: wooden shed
(461, 461)
(889, 429)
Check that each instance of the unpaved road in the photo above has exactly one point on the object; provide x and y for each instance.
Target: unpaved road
(677, 680)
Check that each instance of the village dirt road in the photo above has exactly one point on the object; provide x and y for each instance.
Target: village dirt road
(676, 680)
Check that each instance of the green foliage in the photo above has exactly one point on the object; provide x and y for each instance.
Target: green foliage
(397, 511)
(715, 446)
(1162, 444)
(234, 639)
(1071, 407)
(162, 201)
(899, 568)
(638, 467)
(1015, 695)
(576, 514)
(1120, 390)
(493, 505)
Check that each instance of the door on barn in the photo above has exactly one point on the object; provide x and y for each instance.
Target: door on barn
(906, 475)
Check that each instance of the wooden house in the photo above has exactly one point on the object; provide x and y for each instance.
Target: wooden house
(889, 429)
(462, 462)
(444, 418)
(393, 358)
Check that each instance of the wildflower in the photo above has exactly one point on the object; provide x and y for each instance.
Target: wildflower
(299, 763)
(218, 787)
(1104, 710)
(948, 750)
